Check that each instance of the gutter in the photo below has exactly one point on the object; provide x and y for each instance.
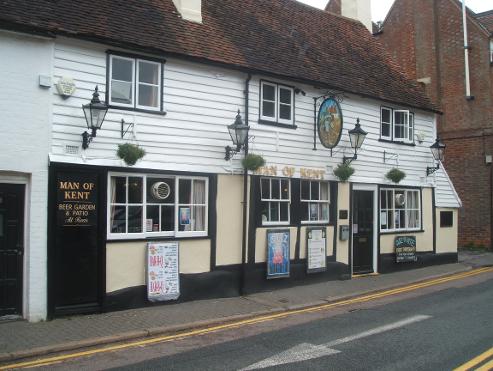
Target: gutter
(466, 53)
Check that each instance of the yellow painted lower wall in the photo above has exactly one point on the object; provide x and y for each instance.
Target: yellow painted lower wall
(424, 240)
(229, 219)
(342, 249)
(261, 243)
(447, 236)
(126, 262)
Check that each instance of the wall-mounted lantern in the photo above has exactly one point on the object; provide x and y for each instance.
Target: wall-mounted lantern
(95, 112)
(357, 137)
(438, 151)
(239, 135)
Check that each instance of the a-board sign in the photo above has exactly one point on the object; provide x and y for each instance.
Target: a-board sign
(316, 250)
(163, 275)
(405, 249)
(278, 245)
(76, 199)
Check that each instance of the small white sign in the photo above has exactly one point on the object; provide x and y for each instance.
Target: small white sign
(66, 86)
(163, 274)
(316, 251)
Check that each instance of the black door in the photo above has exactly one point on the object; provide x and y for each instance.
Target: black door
(362, 232)
(11, 248)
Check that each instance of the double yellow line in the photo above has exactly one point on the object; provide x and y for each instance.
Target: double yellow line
(483, 362)
(167, 338)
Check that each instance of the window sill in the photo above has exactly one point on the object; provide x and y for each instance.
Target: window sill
(407, 231)
(161, 113)
(154, 238)
(397, 142)
(277, 124)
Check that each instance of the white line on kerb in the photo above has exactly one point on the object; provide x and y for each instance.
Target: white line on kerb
(306, 351)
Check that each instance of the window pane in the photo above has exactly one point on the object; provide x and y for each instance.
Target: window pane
(135, 219)
(274, 211)
(185, 191)
(198, 192)
(167, 218)
(121, 92)
(268, 109)
(305, 190)
(324, 211)
(315, 190)
(324, 191)
(285, 96)
(268, 92)
(285, 189)
(148, 96)
(314, 212)
(275, 189)
(152, 219)
(121, 69)
(385, 130)
(304, 211)
(399, 132)
(149, 73)
(118, 219)
(400, 200)
(284, 211)
(265, 185)
(264, 206)
(386, 115)
(383, 199)
(134, 190)
(285, 112)
(160, 190)
(118, 190)
(198, 213)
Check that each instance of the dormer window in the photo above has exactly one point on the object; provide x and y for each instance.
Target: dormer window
(276, 104)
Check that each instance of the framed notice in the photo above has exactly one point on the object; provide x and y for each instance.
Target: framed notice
(316, 250)
(405, 249)
(278, 249)
(163, 275)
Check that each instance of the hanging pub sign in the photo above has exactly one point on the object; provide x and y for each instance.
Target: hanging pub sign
(163, 275)
(316, 250)
(76, 199)
(329, 123)
(405, 249)
(278, 245)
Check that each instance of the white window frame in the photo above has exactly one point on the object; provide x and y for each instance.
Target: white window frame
(319, 201)
(279, 200)
(277, 103)
(405, 126)
(389, 137)
(405, 209)
(144, 234)
(408, 127)
(135, 84)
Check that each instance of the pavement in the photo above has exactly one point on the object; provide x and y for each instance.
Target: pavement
(21, 339)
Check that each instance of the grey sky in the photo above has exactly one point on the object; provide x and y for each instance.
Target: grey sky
(379, 8)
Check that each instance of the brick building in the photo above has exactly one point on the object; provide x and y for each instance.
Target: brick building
(426, 38)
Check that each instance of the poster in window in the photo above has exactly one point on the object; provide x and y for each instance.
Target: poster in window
(316, 250)
(329, 123)
(163, 275)
(278, 245)
(184, 215)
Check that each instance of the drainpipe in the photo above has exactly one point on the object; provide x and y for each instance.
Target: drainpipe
(245, 196)
(466, 52)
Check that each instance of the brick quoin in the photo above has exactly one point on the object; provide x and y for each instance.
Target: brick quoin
(426, 38)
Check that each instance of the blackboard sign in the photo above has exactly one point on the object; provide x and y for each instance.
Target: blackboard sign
(76, 199)
(405, 249)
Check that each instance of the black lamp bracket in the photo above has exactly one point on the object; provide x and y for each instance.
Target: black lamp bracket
(431, 170)
(348, 160)
(230, 152)
(129, 125)
(87, 138)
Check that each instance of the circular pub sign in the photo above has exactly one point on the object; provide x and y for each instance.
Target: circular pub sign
(329, 122)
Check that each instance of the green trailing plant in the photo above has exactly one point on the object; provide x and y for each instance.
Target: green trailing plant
(343, 171)
(253, 162)
(130, 153)
(395, 175)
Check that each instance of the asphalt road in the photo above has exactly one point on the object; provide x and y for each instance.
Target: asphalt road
(437, 328)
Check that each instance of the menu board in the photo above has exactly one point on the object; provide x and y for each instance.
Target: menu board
(405, 249)
(163, 275)
(316, 250)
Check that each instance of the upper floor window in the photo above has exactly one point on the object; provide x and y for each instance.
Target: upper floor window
(275, 200)
(400, 210)
(276, 103)
(396, 125)
(315, 201)
(135, 83)
(156, 205)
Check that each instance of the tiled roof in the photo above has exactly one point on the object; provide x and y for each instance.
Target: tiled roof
(486, 19)
(279, 37)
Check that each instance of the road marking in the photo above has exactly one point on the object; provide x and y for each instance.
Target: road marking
(477, 360)
(306, 351)
(167, 338)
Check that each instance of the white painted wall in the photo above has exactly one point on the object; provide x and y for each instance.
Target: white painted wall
(25, 138)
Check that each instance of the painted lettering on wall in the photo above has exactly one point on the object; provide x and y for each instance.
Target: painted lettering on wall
(76, 200)
(290, 171)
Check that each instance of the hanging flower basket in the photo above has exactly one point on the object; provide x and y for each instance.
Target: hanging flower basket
(395, 175)
(343, 171)
(252, 162)
(130, 153)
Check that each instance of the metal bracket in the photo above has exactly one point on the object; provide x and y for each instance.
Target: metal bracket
(390, 156)
(130, 125)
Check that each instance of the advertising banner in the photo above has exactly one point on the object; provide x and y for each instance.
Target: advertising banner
(163, 275)
(278, 245)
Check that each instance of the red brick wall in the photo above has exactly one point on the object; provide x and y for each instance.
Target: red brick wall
(411, 33)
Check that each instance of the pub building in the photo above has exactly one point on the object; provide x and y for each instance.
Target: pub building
(234, 148)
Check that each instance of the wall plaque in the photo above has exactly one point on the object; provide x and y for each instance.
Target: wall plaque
(329, 123)
(76, 199)
(405, 249)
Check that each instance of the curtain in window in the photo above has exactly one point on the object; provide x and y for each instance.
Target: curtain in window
(198, 198)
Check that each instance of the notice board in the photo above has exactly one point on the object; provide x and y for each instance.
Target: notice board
(163, 271)
(316, 250)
